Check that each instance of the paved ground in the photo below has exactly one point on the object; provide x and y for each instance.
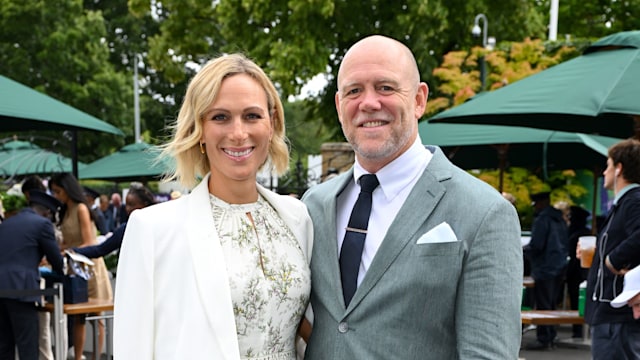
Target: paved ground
(567, 349)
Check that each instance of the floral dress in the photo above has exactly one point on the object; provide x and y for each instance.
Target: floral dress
(269, 277)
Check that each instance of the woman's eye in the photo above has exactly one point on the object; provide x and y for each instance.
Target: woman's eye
(218, 117)
(254, 116)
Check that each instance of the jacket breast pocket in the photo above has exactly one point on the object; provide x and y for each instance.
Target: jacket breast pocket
(438, 249)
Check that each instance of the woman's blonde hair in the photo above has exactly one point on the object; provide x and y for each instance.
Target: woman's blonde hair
(184, 147)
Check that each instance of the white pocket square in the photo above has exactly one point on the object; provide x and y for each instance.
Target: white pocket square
(439, 234)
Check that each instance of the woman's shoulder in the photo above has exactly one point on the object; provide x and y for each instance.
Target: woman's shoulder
(282, 200)
(165, 208)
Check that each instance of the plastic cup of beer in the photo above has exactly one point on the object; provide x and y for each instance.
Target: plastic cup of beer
(587, 250)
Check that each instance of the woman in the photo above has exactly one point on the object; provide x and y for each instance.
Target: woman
(138, 197)
(220, 273)
(78, 230)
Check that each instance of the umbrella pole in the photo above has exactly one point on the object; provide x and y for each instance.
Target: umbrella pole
(74, 152)
(594, 223)
(502, 157)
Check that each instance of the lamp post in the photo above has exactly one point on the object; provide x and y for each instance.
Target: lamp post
(487, 43)
(136, 100)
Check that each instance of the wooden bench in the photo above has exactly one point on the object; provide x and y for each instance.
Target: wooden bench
(550, 317)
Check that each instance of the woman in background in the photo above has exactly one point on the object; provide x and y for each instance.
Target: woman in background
(138, 197)
(78, 230)
(223, 272)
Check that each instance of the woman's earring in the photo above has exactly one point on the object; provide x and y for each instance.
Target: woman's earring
(202, 148)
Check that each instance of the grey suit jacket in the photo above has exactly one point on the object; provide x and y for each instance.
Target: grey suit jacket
(449, 300)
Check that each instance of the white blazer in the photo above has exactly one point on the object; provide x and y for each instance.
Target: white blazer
(172, 297)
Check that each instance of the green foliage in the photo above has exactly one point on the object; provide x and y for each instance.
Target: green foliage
(84, 52)
(12, 203)
(521, 183)
(295, 40)
(593, 19)
(459, 75)
(111, 262)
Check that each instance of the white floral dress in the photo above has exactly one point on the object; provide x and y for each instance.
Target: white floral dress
(269, 277)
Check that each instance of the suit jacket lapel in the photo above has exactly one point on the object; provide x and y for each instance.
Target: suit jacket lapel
(425, 195)
(210, 269)
(326, 243)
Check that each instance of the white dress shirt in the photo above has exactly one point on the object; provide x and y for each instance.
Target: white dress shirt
(396, 182)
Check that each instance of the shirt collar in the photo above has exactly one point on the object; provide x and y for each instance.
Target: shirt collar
(399, 173)
(624, 190)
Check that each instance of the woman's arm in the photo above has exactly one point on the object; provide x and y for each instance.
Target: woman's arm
(86, 226)
(106, 247)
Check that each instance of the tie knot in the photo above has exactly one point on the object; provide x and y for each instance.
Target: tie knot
(368, 183)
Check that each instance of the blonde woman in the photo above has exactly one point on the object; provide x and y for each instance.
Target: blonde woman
(222, 272)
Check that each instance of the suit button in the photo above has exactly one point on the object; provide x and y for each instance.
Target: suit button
(343, 327)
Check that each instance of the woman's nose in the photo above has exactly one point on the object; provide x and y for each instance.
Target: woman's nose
(238, 129)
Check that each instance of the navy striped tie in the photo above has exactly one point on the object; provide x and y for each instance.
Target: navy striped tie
(353, 243)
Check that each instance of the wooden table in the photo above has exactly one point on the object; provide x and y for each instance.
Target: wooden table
(551, 317)
(90, 307)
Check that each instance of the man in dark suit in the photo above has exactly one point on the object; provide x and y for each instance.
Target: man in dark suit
(116, 213)
(548, 253)
(99, 218)
(24, 239)
(440, 271)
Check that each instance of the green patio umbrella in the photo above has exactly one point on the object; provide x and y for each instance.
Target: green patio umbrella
(20, 158)
(596, 93)
(472, 146)
(134, 162)
(22, 108)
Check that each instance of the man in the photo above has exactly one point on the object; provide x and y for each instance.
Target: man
(100, 220)
(29, 184)
(614, 331)
(631, 293)
(24, 239)
(440, 275)
(548, 253)
(116, 213)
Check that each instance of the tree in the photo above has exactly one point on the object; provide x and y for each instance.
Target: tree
(295, 40)
(593, 18)
(521, 183)
(459, 75)
(57, 47)
(127, 37)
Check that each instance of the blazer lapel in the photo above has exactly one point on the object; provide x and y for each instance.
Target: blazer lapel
(325, 243)
(210, 269)
(425, 196)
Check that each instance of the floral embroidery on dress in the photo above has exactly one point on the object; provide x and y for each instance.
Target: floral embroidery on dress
(268, 274)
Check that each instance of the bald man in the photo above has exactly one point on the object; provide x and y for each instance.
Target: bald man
(440, 270)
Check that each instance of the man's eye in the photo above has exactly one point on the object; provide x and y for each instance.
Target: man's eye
(386, 88)
(352, 91)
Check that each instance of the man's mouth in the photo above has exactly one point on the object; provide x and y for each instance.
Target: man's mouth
(373, 123)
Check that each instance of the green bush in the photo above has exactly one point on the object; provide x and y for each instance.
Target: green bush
(12, 203)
